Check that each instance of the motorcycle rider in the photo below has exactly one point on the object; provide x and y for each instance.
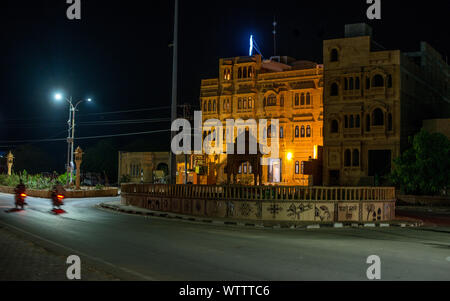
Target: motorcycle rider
(19, 190)
(58, 190)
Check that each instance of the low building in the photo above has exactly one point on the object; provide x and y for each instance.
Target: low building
(147, 167)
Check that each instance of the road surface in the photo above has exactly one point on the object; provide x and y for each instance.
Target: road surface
(151, 248)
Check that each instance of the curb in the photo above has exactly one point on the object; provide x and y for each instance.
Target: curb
(260, 225)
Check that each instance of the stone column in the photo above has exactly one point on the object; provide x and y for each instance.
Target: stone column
(10, 160)
(78, 160)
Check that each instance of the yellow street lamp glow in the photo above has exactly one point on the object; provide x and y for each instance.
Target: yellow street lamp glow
(289, 156)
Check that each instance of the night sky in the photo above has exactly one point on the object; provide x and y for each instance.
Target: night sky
(118, 54)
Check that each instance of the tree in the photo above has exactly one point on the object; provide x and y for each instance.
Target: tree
(425, 167)
(101, 158)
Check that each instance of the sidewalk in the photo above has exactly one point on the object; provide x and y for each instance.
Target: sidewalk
(21, 260)
(117, 206)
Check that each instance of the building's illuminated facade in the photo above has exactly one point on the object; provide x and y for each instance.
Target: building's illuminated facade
(284, 89)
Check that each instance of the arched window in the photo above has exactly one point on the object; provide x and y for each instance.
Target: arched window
(245, 103)
(240, 72)
(209, 105)
(334, 55)
(352, 122)
(355, 158)
(302, 99)
(250, 71)
(378, 81)
(378, 117)
(297, 102)
(348, 158)
(390, 125)
(250, 102)
(281, 132)
(308, 99)
(214, 105)
(240, 103)
(302, 132)
(334, 126)
(282, 101)
(297, 132)
(272, 100)
(358, 122)
(357, 83)
(308, 131)
(350, 85)
(368, 123)
(205, 106)
(345, 84)
(297, 167)
(334, 91)
(346, 121)
(244, 75)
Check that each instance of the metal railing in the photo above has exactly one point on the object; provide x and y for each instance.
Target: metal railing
(260, 193)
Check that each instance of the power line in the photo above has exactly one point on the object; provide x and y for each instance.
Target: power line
(84, 138)
(126, 111)
(93, 114)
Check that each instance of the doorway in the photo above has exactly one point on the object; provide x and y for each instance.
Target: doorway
(274, 171)
(379, 162)
(334, 178)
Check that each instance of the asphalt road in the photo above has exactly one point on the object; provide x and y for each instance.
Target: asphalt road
(150, 248)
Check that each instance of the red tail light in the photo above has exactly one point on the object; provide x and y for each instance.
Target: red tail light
(60, 196)
(23, 195)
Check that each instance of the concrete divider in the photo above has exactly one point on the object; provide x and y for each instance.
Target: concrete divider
(266, 203)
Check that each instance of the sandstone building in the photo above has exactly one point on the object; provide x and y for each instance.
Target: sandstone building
(374, 99)
(280, 88)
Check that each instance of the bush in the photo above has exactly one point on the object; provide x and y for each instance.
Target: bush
(424, 168)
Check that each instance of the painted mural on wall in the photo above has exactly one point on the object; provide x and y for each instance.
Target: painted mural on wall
(293, 211)
(348, 212)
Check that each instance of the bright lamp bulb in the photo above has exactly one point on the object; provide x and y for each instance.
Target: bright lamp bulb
(58, 96)
(289, 156)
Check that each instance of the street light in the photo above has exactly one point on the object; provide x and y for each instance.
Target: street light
(70, 131)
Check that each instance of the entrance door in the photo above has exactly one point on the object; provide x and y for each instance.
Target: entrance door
(334, 178)
(274, 171)
(379, 162)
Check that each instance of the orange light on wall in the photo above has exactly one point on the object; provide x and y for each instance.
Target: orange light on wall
(316, 151)
(289, 156)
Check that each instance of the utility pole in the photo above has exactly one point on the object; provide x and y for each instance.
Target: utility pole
(173, 162)
(69, 139)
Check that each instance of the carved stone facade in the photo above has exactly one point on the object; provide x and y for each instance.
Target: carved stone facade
(283, 89)
(373, 100)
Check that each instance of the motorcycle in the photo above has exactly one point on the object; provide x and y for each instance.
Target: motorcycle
(20, 200)
(57, 200)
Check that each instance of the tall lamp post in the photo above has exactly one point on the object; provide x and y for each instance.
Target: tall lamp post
(70, 132)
